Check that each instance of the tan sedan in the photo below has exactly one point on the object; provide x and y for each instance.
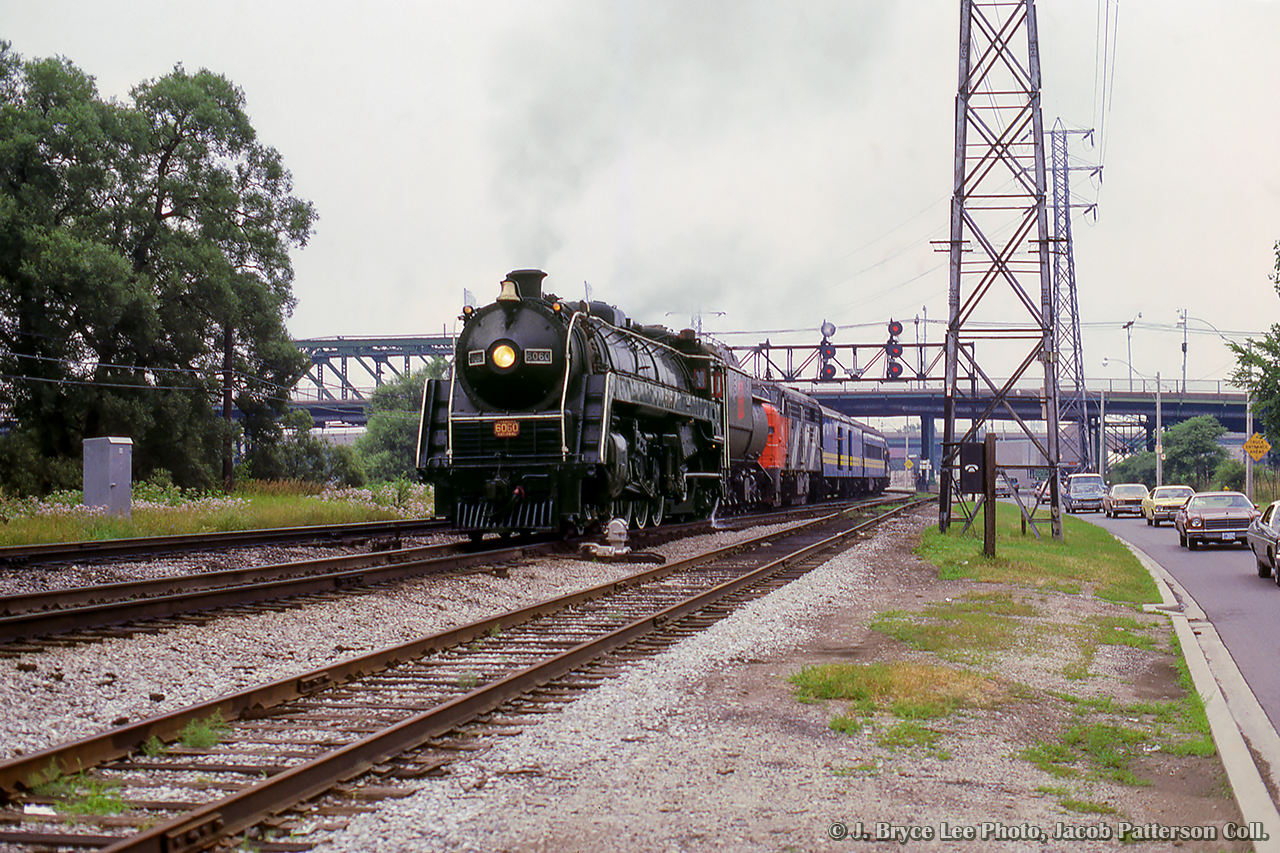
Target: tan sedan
(1122, 498)
(1163, 503)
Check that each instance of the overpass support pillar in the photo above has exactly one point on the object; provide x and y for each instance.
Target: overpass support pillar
(929, 449)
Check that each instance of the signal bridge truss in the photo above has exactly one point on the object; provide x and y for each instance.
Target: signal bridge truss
(832, 363)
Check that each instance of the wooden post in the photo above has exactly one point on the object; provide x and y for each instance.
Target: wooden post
(989, 485)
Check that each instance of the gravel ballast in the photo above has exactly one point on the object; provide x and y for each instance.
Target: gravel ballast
(703, 746)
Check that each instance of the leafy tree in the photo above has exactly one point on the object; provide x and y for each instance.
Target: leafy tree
(1138, 468)
(1230, 475)
(140, 243)
(301, 455)
(1258, 370)
(1192, 452)
(389, 443)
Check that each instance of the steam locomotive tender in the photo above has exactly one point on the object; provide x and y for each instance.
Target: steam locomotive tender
(561, 415)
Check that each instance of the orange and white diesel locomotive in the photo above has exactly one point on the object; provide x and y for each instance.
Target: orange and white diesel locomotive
(560, 415)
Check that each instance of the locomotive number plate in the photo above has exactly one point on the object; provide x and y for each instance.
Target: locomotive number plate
(506, 429)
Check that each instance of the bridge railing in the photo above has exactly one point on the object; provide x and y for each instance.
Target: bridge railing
(1093, 387)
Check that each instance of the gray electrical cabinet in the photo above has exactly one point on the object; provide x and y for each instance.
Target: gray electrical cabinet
(108, 474)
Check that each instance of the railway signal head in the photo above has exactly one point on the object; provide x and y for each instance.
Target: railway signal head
(893, 351)
(826, 368)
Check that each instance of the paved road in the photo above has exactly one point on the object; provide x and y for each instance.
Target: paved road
(1244, 608)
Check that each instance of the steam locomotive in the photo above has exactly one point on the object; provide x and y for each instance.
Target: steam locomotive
(561, 415)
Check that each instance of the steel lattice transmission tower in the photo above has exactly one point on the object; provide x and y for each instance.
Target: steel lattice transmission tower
(1073, 410)
(998, 248)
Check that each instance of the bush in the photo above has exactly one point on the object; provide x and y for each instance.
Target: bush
(25, 471)
(1230, 475)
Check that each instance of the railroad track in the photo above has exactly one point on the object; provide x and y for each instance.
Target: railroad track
(95, 612)
(394, 715)
(108, 549)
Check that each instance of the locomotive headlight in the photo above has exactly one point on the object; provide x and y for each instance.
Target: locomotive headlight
(503, 356)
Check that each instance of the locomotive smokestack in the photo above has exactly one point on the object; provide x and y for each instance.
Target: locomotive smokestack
(528, 282)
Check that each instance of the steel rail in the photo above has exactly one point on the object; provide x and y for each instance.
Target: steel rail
(31, 615)
(365, 570)
(242, 810)
(299, 783)
(98, 549)
(55, 599)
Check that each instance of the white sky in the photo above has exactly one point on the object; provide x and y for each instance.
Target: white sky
(782, 162)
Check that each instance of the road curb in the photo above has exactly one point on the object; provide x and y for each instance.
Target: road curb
(1231, 720)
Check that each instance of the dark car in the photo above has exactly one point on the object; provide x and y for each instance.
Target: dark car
(1214, 517)
(1084, 493)
(1124, 498)
(1262, 536)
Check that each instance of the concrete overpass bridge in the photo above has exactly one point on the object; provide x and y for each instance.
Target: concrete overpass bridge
(344, 371)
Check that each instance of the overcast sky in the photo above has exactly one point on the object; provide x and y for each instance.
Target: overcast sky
(781, 161)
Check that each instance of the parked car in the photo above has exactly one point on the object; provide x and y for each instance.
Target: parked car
(1263, 536)
(1214, 517)
(1163, 503)
(1004, 488)
(1084, 493)
(1124, 498)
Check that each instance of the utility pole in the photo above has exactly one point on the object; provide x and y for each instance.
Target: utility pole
(1159, 437)
(228, 400)
(1183, 313)
(1128, 333)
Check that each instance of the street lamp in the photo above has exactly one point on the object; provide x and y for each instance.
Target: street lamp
(1128, 331)
(1182, 313)
(1159, 425)
(1248, 405)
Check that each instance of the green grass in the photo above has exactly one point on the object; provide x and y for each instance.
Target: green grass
(203, 734)
(1072, 804)
(910, 692)
(1102, 739)
(168, 512)
(967, 629)
(153, 747)
(910, 735)
(1099, 750)
(80, 794)
(906, 690)
(1089, 557)
(1098, 631)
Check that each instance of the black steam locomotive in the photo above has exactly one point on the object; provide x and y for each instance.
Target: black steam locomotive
(561, 415)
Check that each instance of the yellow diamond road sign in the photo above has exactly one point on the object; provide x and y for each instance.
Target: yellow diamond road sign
(1257, 447)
